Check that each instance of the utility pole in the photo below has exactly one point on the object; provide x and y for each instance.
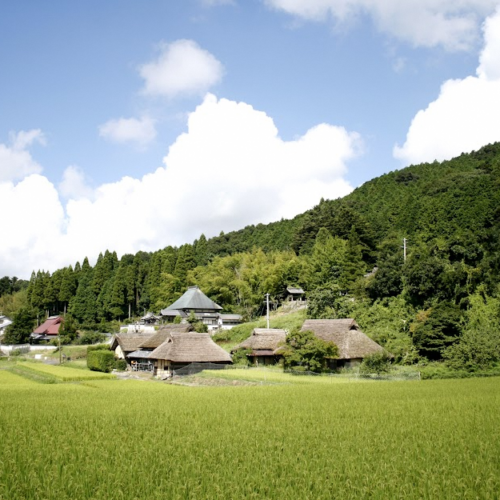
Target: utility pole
(60, 353)
(267, 301)
(404, 249)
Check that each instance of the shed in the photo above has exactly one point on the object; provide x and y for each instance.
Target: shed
(294, 293)
(264, 344)
(352, 343)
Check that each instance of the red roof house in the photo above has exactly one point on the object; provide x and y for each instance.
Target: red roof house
(49, 329)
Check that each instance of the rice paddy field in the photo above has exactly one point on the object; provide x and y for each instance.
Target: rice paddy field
(124, 439)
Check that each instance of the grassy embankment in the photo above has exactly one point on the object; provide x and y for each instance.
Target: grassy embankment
(125, 439)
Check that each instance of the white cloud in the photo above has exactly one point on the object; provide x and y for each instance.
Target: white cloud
(182, 68)
(31, 233)
(74, 184)
(466, 114)
(452, 24)
(228, 170)
(123, 130)
(15, 161)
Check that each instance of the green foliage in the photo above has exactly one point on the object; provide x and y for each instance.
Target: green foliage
(479, 345)
(98, 347)
(21, 328)
(9, 286)
(387, 321)
(240, 357)
(100, 360)
(329, 302)
(378, 362)
(120, 365)
(435, 329)
(304, 349)
(200, 327)
(88, 338)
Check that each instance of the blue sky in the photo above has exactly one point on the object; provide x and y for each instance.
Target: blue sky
(143, 124)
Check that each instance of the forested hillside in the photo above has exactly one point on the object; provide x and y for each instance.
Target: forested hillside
(425, 306)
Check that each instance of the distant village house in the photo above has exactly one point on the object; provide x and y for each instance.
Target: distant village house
(48, 330)
(194, 301)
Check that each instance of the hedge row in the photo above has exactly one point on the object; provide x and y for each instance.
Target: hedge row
(101, 361)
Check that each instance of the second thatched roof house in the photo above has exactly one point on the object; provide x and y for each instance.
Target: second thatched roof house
(353, 344)
(263, 345)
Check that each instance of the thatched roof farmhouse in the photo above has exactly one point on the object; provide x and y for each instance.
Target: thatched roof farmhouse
(125, 343)
(182, 349)
(263, 343)
(353, 344)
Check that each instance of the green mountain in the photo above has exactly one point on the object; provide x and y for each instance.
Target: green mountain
(346, 253)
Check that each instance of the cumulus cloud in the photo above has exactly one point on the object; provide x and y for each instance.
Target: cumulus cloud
(31, 233)
(182, 68)
(122, 130)
(73, 184)
(16, 161)
(229, 169)
(466, 114)
(452, 24)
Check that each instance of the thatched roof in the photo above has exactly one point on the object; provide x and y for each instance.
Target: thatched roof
(345, 334)
(190, 347)
(163, 334)
(194, 299)
(129, 342)
(264, 339)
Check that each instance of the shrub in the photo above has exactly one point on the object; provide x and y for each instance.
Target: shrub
(101, 361)
(98, 347)
(378, 362)
(200, 327)
(120, 364)
(303, 348)
(87, 338)
(240, 357)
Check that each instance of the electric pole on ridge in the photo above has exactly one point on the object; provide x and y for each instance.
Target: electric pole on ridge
(267, 302)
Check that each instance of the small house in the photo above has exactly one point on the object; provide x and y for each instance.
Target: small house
(295, 294)
(182, 349)
(352, 343)
(48, 330)
(150, 319)
(264, 344)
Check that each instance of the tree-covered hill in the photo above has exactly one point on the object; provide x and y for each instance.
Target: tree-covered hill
(449, 213)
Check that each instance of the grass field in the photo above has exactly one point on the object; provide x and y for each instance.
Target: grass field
(110, 439)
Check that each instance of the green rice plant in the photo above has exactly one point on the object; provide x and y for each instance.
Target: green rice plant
(10, 379)
(277, 376)
(65, 373)
(117, 440)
